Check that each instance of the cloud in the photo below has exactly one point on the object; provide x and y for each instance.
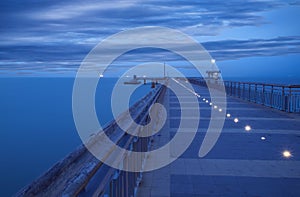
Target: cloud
(101, 18)
(236, 49)
(296, 3)
(76, 9)
(67, 58)
(56, 35)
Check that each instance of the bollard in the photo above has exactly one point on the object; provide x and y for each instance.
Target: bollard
(152, 84)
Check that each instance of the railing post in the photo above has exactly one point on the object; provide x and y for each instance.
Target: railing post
(290, 100)
(114, 185)
(271, 96)
(255, 93)
(235, 88)
(249, 93)
(244, 96)
(283, 99)
(263, 94)
(239, 90)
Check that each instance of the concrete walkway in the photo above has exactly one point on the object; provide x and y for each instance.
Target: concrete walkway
(242, 163)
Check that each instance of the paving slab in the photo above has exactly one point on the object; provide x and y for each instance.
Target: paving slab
(242, 163)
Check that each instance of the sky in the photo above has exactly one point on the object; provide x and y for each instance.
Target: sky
(246, 38)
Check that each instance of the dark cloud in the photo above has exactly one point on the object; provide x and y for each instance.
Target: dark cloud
(296, 3)
(56, 35)
(235, 49)
(68, 57)
(95, 18)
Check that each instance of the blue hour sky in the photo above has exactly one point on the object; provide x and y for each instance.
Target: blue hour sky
(247, 38)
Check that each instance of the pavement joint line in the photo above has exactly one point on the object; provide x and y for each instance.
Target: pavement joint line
(242, 130)
(175, 102)
(241, 168)
(240, 118)
(228, 108)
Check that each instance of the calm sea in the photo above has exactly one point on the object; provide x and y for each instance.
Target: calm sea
(37, 127)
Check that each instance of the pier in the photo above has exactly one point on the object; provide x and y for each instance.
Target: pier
(249, 158)
(137, 80)
(257, 153)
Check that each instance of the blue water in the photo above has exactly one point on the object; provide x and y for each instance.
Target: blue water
(37, 127)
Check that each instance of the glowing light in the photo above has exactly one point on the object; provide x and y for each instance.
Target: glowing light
(247, 128)
(263, 138)
(203, 99)
(287, 154)
(213, 61)
(101, 75)
(198, 96)
(228, 115)
(144, 76)
(215, 107)
(206, 101)
(220, 110)
(210, 103)
(236, 120)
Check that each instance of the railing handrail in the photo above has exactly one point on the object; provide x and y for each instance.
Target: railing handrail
(265, 84)
(54, 172)
(152, 95)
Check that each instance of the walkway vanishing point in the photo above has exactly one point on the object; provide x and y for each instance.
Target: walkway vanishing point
(257, 154)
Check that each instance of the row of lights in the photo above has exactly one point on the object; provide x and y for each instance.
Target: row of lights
(285, 153)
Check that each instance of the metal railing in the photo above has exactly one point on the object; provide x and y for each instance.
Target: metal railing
(94, 177)
(123, 183)
(282, 97)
